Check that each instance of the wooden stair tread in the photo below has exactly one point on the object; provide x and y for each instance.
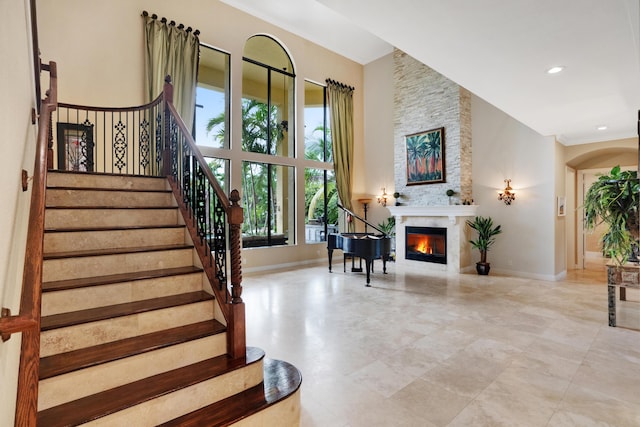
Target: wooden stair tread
(114, 228)
(281, 380)
(105, 174)
(112, 207)
(109, 401)
(63, 363)
(110, 189)
(102, 313)
(60, 285)
(114, 251)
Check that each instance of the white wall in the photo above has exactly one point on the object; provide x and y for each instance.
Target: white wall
(561, 223)
(378, 135)
(505, 148)
(18, 150)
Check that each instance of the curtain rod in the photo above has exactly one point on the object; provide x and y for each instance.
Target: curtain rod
(341, 85)
(173, 23)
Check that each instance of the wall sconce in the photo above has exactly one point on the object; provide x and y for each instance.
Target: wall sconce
(382, 199)
(507, 195)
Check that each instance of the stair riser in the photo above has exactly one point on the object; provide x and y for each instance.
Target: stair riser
(111, 198)
(89, 218)
(89, 334)
(91, 240)
(104, 181)
(74, 268)
(99, 296)
(284, 413)
(180, 402)
(65, 388)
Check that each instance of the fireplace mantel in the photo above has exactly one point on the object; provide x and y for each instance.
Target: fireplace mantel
(450, 216)
(450, 211)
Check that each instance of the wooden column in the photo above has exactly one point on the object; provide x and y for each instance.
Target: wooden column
(237, 329)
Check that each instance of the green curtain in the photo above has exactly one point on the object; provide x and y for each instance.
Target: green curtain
(174, 51)
(341, 113)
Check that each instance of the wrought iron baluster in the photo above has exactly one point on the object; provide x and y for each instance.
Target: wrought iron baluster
(173, 138)
(120, 145)
(201, 203)
(144, 144)
(219, 225)
(159, 145)
(187, 161)
(86, 145)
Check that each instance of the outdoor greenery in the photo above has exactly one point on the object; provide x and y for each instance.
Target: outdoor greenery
(319, 149)
(262, 133)
(486, 235)
(316, 147)
(613, 199)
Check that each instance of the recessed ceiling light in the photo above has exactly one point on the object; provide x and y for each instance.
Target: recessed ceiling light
(555, 70)
(602, 127)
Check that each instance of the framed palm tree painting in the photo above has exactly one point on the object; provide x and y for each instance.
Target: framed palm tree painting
(425, 157)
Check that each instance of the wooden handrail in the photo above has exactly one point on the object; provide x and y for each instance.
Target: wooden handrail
(32, 273)
(156, 101)
(28, 320)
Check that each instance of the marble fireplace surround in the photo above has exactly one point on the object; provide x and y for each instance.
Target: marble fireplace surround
(453, 218)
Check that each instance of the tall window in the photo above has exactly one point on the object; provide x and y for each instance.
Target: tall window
(212, 100)
(268, 133)
(321, 197)
(212, 112)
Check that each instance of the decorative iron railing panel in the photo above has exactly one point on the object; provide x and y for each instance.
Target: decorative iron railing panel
(108, 140)
(199, 194)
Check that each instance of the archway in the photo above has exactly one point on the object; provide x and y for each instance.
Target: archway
(584, 163)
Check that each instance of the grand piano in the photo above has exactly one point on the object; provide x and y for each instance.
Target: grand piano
(365, 246)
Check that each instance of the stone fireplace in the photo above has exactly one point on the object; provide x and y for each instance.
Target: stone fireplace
(450, 218)
(424, 100)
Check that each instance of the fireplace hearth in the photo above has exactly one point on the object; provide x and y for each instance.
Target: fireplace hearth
(428, 244)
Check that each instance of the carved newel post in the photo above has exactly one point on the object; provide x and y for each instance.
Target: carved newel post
(236, 217)
(236, 334)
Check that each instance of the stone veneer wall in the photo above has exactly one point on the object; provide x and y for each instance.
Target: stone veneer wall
(424, 100)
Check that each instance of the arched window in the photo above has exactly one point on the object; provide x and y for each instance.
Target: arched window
(268, 128)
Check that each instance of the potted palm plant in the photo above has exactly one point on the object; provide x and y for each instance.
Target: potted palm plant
(486, 237)
(613, 199)
(388, 226)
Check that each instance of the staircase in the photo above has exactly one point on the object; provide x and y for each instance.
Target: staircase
(130, 331)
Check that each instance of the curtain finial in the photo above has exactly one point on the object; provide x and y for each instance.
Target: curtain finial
(340, 85)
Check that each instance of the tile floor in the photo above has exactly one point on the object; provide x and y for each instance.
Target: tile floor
(450, 350)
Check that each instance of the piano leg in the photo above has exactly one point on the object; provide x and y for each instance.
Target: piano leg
(330, 253)
(368, 264)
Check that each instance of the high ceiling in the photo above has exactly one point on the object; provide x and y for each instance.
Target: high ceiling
(499, 50)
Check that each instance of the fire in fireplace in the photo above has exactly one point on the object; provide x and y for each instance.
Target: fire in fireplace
(427, 244)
